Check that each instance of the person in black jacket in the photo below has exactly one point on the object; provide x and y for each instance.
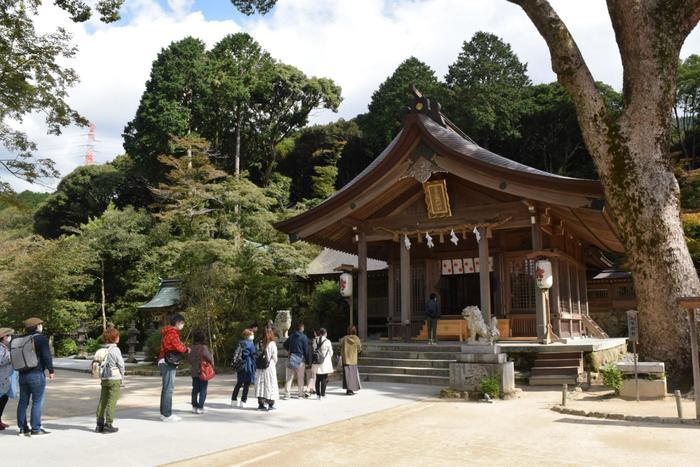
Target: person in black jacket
(298, 346)
(32, 381)
(432, 309)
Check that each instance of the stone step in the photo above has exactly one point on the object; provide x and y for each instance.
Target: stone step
(412, 347)
(558, 355)
(404, 370)
(406, 362)
(552, 380)
(560, 362)
(405, 379)
(556, 370)
(408, 355)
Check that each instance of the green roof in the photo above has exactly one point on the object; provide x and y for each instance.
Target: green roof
(168, 295)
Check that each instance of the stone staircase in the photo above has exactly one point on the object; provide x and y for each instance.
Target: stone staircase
(410, 363)
(556, 369)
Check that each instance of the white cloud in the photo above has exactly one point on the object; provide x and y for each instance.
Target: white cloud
(358, 43)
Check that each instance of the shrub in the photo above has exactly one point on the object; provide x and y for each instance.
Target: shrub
(491, 387)
(93, 345)
(612, 377)
(329, 310)
(152, 346)
(66, 347)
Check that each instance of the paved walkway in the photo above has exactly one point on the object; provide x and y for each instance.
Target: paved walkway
(144, 440)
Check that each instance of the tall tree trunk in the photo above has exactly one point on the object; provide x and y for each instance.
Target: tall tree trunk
(104, 299)
(631, 152)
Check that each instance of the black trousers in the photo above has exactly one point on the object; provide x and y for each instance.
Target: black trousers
(321, 382)
(246, 386)
(3, 403)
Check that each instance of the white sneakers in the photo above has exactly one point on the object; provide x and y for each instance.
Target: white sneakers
(200, 411)
(233, 403)
(171, 419)
(195, 410)
(241, 405)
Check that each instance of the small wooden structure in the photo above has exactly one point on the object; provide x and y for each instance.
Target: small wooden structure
(610, 294)
(455, 219)
(165, 302)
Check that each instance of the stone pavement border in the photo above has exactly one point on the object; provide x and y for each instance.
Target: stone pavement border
(628, 418)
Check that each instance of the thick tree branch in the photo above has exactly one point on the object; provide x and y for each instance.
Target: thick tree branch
(572, 72)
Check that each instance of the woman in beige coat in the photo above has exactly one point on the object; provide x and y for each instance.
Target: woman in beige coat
(350, 348)
(324, 349)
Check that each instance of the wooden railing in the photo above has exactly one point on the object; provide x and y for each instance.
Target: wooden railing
(523, 325)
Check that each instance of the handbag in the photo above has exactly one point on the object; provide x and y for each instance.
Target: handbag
(206, 371)
(173, 358)
(294, 361)
(13, 390)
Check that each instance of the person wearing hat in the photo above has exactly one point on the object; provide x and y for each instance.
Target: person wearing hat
(32, 381)
(5, 370)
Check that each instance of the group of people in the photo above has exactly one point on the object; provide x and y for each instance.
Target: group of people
(24, 367)
(310, 362)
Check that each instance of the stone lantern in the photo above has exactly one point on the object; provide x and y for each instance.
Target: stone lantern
(82, 340)
(132, 340)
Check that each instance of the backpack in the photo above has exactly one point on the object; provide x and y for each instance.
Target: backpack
(99, 362)
(237, 363)
(261, 360)
(23, 353)
(318, 357)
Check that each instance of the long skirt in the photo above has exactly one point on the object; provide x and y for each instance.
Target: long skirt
(351, 378)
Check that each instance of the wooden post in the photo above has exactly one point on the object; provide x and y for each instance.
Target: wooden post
(679, 404)
(564, 389)
(696, 363)
(484, 275)
(391, 290)
(405, 279)
(541, 311)
(362, 285)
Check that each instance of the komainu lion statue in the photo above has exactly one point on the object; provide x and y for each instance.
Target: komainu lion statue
(478, 328)
(283, 321)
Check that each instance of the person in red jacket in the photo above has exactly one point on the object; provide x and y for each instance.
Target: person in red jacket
(172, 351)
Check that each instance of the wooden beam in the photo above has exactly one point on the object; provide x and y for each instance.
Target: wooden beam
(460, 215)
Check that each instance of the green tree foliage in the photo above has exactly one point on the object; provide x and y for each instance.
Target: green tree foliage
(84, 193)
(686, 111)
(313, 161)
(113, 242)
(193, 192)
(389, 102)
(171, 105)
(486, 86)
(329, 309)
(52, 280)
(236, 67)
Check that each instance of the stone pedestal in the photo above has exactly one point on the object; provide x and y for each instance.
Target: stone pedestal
(476, 362)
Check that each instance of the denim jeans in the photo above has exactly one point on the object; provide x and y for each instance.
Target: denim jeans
(32, 384)
(166, 394)
(245, 386)
(432, 328)
(199, 388)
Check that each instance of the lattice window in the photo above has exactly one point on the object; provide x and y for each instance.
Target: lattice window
(418, 290)
(597, 294)
(573, 280)
(522, 285)
(625, 291)
(564, 290)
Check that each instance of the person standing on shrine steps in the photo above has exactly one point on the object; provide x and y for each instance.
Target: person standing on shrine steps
(432, 309)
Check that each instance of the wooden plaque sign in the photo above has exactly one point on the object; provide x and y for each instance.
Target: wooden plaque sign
(436, 199)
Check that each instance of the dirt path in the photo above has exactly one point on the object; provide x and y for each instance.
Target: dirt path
(437, 432)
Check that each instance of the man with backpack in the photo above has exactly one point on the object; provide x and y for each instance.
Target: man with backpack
(31, 357)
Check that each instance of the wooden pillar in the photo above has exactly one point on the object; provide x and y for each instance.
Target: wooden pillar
(541, 312)
(554, 298)
(484, 275)
(405, 283)
(362, 286)
(391, 290)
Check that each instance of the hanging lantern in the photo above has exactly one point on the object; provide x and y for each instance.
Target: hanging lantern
(453, 237)
(345, 284)
(543, 274)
